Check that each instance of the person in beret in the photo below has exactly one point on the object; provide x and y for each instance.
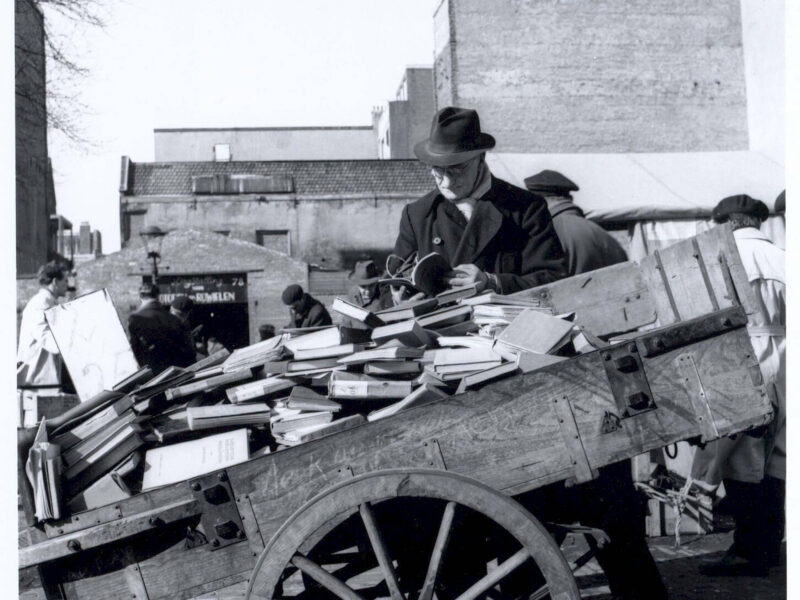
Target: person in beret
(586, 245)
(305, 310)
(780, 203)
(158, 339)
(753, 469)
(492, 233)
(265, 331)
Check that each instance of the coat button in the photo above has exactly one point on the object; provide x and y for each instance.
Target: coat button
(437, 241)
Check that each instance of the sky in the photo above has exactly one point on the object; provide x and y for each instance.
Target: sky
(224, 63)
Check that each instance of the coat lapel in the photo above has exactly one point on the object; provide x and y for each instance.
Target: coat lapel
(449, 228)
(484, 225)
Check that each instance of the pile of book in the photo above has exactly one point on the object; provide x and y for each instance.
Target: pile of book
(297, 387)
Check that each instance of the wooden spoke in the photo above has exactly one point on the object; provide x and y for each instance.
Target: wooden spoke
(325, 579)
(488, 580)
(540, 593)
(379, 549)
(438, 550)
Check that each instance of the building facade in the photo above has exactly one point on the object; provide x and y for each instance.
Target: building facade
(35, 201)
(264, 143)
(328, 214)
(585, 76)
(406, 120)
(79, 247)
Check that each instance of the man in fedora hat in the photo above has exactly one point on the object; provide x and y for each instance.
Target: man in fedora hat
(492, 233)
(366, 292)
(502, 238)
(587, 246)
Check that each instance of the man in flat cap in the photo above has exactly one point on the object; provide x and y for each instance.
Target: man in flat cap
(158, 338)
(754, 468)
(305, 310)
(490, 232)
(586, 245)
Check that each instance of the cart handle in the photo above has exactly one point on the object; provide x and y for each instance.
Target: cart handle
(106, 533)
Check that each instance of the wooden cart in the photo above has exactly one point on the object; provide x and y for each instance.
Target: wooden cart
(261, 528)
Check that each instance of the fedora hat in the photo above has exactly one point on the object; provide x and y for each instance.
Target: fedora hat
(455, 138)
(365, 273)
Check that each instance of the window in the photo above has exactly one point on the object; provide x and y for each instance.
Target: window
(275, 239)
(225, 232)
(222, 152)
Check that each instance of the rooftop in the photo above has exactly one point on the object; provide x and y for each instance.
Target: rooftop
(312, 177)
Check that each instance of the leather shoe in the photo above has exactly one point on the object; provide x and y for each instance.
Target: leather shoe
(733, 565)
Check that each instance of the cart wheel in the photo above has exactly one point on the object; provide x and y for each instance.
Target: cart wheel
(412, 535)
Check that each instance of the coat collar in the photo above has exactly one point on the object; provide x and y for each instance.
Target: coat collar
(484, 225)
(750, 233)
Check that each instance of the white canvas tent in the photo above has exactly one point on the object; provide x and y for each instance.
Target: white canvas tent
(662, 197)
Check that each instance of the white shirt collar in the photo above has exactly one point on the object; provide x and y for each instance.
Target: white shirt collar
(750, 233)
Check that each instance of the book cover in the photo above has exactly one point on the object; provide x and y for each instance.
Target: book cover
(392, 367)
(383, 353)
(409, 333)
(280, 424)
(408, 310)
(424, 394)
(535, 331)
(445, 317)
(330, 351)
(357, 313)
(185, 460)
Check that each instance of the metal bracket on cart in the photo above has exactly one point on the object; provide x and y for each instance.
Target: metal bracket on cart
(627, 379)
(220, 519)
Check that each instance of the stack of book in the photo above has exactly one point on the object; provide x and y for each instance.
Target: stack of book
(294, 388)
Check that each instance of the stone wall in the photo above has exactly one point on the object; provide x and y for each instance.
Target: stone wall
(596, 76)
(328, 232)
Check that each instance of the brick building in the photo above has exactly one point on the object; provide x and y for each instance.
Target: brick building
(35, 201)
(406, 120)
(327, 214)
(617, 76)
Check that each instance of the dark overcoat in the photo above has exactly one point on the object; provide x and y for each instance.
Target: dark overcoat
(311, 313)
(159, 339)
(587, 246)
(510, 234)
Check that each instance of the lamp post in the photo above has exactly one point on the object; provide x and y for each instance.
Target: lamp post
(152, 237)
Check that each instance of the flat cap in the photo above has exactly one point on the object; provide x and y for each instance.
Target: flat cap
(780, 203)
(183, 303)
(741, 203)
(550, 182)
(292, 294)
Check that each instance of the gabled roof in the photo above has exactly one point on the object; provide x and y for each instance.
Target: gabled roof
(310, 177)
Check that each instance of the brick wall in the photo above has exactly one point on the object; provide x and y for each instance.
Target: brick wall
(597, 76)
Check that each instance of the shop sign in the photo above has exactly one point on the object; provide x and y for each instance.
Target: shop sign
(218, 288)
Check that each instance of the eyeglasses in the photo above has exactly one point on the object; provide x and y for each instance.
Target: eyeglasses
(452, 170)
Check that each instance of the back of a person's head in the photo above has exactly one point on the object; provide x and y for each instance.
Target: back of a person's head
(149, 291)
(740, 211)
(50, 271)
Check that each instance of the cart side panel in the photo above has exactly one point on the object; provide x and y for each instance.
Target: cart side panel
(724, 367)
(685, 280)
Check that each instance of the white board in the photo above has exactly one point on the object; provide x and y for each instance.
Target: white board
(92, 342)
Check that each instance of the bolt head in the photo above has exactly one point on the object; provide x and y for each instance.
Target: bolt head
(222, 476)
(215, 542)
(196, 486)
(632, 348)
(606, 355)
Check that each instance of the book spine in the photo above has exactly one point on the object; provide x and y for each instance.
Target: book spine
(206, 384)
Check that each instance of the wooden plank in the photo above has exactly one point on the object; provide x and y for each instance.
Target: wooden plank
(572, 440)
(135, 582)
(438, 551)
(379, 548)
(100, 535)
(614, 299)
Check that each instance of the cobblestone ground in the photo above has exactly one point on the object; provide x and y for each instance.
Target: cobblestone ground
(678, 567)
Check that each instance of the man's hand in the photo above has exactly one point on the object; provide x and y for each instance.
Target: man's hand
(463, 275)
